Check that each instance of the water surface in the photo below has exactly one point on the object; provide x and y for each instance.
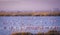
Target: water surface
(10, 24)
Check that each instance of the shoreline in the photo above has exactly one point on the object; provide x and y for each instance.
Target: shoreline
(29, 13)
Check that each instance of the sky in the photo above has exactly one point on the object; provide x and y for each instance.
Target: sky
(29, 4)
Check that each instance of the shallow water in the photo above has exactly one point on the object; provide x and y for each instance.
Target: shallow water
(10, 24)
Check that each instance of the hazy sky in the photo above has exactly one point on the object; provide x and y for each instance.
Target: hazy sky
(29, 4)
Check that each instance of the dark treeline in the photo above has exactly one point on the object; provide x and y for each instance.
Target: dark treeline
(52, 32)
(29, 13)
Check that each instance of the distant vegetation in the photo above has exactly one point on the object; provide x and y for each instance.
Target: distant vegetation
(37, 13)
(52, 32)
